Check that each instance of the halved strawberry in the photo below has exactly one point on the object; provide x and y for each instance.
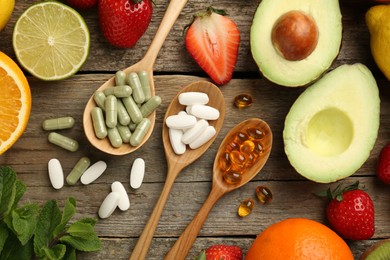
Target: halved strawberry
(213, 40)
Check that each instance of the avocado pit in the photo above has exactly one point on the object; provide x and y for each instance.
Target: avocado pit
(295, 35)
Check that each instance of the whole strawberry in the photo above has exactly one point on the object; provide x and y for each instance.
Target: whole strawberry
(212, 40)
(123, 22)
(351, 213)
(82, 4)
(383, 169)
(217, 252)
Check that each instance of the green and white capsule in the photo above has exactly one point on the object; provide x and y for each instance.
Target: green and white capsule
(120, 78)
(111, 107)
(98, 121)
(123, 116)
(135, 84)
(119, 91)
(151, 105)
(140, 132)
(133, 110)
(58, 123)
(114, 137)
(144, 79)
(99, 97)
(78, 170)
(63, 141)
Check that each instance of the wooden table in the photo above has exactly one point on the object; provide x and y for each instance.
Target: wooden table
(293, 195)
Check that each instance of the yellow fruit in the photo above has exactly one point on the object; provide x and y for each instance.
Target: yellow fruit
(15, 102)
(378, 23)
(6, 8)
(298, 238)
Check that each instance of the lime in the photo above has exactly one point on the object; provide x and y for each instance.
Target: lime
(51, 40)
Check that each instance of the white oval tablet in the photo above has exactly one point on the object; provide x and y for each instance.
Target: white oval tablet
(124, 201)
(193, 98)
(175, 136)
(191, 134)
(204, 112)
(137, 173)
(204, 137)
(56, 174)
(109, 204)
(180, 121)
(93, 172)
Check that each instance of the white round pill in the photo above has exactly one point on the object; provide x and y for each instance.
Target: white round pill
(194, 132)
(204, 112)
(175, 136)
(93, 172)
(137, 173)
(193, 98)
(109, 204)
(180, 121)
(124, 201)
(56, 174)
(204, 137)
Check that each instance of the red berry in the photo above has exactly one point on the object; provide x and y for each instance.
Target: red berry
(213, 40)
(352, 214)
(217, 252)
(383, 169)
(123, 22)
(82, 4)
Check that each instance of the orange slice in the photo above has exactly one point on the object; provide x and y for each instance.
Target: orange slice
(15, 102)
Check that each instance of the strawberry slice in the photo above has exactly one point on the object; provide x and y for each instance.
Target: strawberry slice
(213, 40)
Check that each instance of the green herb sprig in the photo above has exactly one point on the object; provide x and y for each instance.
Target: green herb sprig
(34, 232)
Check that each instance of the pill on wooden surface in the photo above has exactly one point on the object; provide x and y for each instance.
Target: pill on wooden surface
(191, 134)
(193, 98)
(124, 201)
(175, 136)
(204, 112)
(58, 123)
(56, 174)
(204, 137)
(109, 204)
(93, 172)
(137, 173)
(180, 121)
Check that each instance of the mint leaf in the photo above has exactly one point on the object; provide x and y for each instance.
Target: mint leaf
(20, 190)
(82, 230)
(7, 190)
(82, 244)
(57, 252)
(24, 221)
(69, 211)
(49, 219)
(70, 253)
(13, 250)
(3, 235)
(91, 221)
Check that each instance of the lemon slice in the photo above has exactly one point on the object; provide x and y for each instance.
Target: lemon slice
(51, 40)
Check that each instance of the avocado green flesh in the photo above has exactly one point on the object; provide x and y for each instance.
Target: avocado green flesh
(332, 127)
(272, 65)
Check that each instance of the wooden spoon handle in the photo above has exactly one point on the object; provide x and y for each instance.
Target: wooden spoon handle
(141, 248)
(183, 245)
(171, 14)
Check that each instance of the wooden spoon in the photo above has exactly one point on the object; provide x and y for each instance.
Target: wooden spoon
(175, 162)
(145, 64)
(220, 187)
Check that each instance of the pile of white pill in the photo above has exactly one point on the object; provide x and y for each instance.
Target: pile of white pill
(87, 173)
(191, 127)
(122, 111)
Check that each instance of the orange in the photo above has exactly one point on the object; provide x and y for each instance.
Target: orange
(15, 102)
(298, 239)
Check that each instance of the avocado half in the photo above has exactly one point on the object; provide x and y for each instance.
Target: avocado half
(332, 127)
(292, 73)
